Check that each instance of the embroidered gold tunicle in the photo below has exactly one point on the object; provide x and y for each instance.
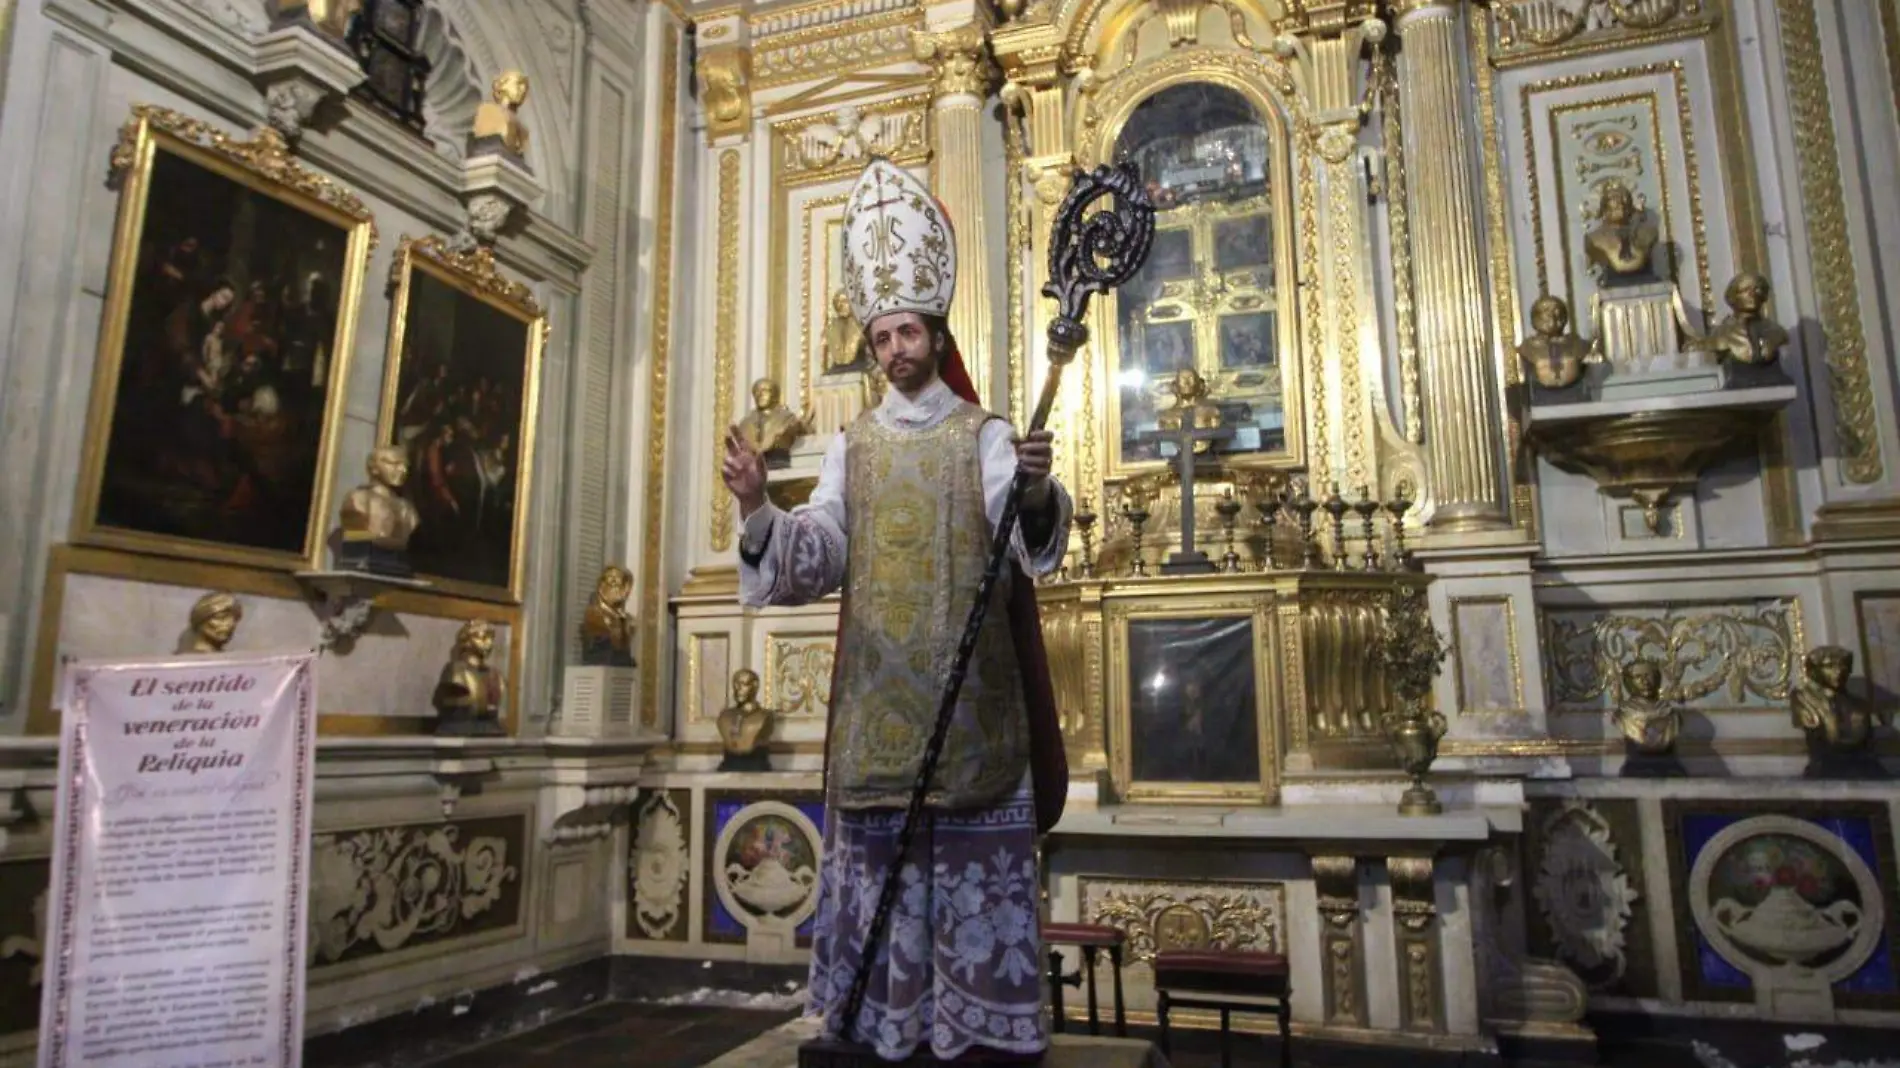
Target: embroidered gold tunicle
(914, 506)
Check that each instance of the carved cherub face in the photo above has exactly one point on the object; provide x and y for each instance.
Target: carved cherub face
(1618, 204)
(1642, 678)
(1549, 316)
(1829, 666)
(615, 584)
(389, 465)
(745, 686)
(765, 394)
(511, 88)
(1747, 294)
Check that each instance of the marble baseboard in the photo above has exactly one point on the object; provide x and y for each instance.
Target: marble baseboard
(435, 1031)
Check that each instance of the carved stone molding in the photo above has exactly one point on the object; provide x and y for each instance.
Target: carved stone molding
(299, 68)
(379, 890)
(1526, 994)
(495, 190)
(660, 866)
(1341, 950)
(594, 813)
(1547, 31)
(1413, 910)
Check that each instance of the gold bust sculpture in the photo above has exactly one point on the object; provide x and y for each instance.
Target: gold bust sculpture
(845, 344)
(377, 520)
(1648, 721)
(500, 116)
(214, 622)
(469, 692)
(607, 627)
(744, 726)
(1191, 407)
(1619, 246)
(1836, 722)
(1553, 354)
(771, 428)
(1748, 336)
(331, 16)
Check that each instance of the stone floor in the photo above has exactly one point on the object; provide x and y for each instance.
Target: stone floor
(619, 1033)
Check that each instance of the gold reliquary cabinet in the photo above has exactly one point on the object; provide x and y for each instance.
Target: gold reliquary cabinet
(1210, 678)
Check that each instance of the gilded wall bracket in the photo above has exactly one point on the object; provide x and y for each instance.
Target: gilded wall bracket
(1337, 880)
(725, 91)
(1415, 915)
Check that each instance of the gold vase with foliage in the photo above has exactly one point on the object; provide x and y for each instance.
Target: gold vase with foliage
(1411, 654)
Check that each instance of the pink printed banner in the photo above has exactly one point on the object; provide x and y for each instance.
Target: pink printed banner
(176, 930)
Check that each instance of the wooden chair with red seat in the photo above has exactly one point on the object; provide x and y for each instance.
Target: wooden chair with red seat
(1091, 938)
(1228, 980)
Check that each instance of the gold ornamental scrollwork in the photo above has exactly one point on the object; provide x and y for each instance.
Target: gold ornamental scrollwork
(1741, 656)
(726, 340)
(798, 676)
(1824, 202)
(1175, 916)
(725, 91)
(959, 59)
(1550, 31)
(267, 153)
(474, 265)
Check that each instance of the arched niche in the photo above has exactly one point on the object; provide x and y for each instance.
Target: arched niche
(1208, 130)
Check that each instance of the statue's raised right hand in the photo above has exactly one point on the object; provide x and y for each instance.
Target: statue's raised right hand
(744, 472)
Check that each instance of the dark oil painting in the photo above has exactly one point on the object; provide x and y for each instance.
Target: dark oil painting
(1193, 713)
(217, 426)
(458, 412)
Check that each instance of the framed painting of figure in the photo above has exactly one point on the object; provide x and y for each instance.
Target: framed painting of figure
(459, 396)
(1189, 708)
(225, 344)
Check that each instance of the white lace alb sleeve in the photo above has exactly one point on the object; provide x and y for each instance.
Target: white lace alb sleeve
(797, 557)
(999, 469)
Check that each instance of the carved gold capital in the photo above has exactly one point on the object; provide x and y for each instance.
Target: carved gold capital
(959, 57)
(725, 89)
(1413, 901)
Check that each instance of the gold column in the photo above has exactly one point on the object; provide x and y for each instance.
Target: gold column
(1462, 421)
(964, 74)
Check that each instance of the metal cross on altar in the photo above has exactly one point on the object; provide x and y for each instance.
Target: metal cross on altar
(1187, 560)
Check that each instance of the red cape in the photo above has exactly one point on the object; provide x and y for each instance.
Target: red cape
(1048, 761)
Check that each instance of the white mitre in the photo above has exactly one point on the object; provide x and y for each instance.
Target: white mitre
(900, 252)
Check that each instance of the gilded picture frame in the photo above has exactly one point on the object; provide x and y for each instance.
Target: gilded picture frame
(1136, 720)
(223, 358)
(1270, 286)
(461, 386)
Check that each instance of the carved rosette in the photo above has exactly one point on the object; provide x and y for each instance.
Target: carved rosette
(1583, 891)
(660, 865)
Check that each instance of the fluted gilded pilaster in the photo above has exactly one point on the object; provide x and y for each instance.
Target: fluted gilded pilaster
(1464, 437)
(964, 76)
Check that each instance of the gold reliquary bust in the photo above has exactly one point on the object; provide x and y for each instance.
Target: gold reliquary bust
(745, 726)
(498, 119)
(1553, 356)
(1621, 246)
(1839, 725)
(770, 427)
(377, 520)
(1748, 337)
(607, 627)
(1191, 410)
(468, 694)
(214, 622)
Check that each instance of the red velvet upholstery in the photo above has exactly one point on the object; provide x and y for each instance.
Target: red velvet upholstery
(1223, 972)
(1082, 934)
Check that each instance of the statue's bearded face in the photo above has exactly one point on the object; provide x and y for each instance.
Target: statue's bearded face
(907, 349)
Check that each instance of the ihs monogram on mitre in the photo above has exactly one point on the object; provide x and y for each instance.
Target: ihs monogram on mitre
(899, 251)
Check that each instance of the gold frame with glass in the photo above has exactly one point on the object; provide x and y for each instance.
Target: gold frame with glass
(130, 337)
(472, 278)
(1209, 299)
(1258, 610)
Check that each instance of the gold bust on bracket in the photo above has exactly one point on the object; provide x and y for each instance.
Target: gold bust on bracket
(846, 347)
(214, 622)
(1839, 725)
(500, 116)
(744, 726)
(1191, 407)
(770, 427)
(1553, 354)
(1649, 722)
(607, 627)
(1620, 245)
(1748, 336)
(377, 520)
(469, 692)
(330, 16)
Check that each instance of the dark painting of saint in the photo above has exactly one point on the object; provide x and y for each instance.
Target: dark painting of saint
(458, 411)
(230, 352)
(1193, 712)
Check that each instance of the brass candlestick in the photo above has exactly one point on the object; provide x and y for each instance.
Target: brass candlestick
(1135, 510)
(1367, 508)
(1229, 510)
(1085, 525)
(1304, 506)
(1336, 507)
(1400, 504)
(1268, 500)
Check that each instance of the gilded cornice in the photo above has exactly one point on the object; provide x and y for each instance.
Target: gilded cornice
(1524, 33)
(817, 51)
